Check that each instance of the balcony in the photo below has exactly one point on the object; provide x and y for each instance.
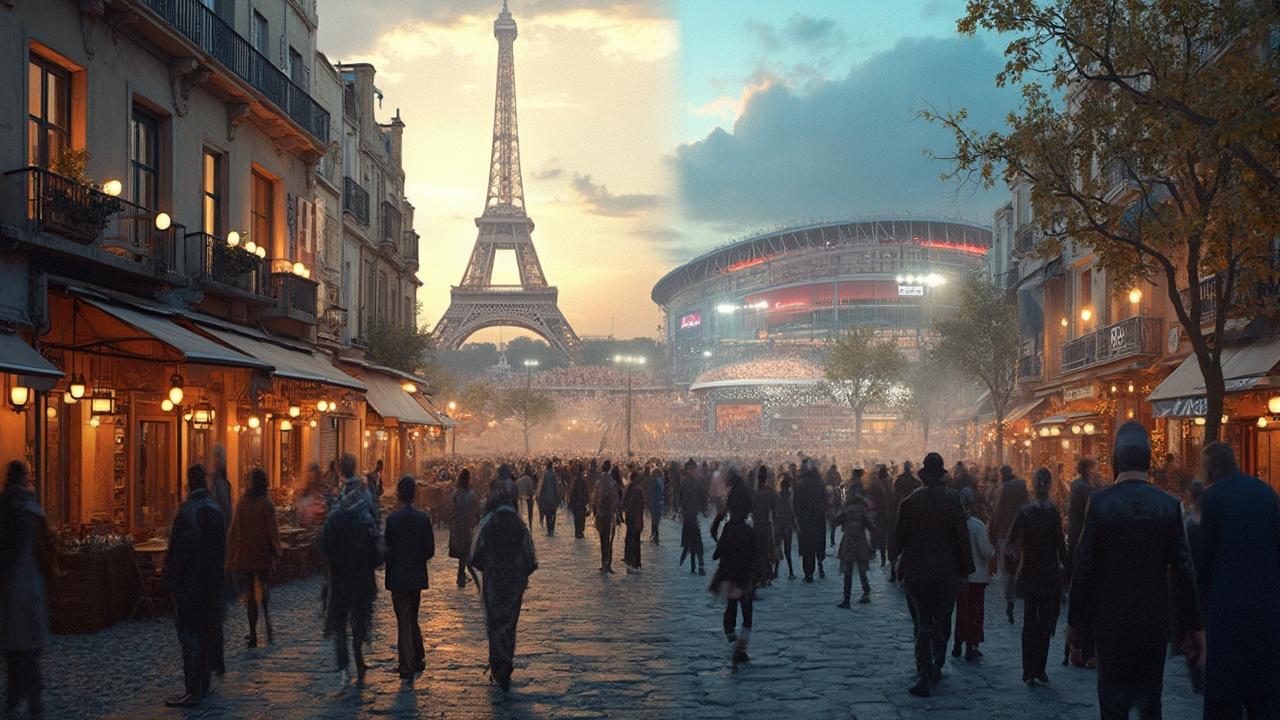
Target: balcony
(355, 200)
(70, 218)
(410, 252)
(1024, 240)
(296, 298)
(1135, 336)
(231, 271)
(220, 41)
(1031, 367)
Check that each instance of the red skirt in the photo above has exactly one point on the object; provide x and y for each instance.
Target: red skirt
(970, 605)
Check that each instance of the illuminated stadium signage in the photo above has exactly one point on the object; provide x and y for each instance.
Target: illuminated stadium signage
(910, 291)
(959, 247)
(692, 320)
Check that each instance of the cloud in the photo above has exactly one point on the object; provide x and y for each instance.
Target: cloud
(848, 146)
(549, 171)
(811, 31)
(600, 201)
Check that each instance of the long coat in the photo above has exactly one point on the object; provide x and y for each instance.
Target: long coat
(411, 542)
(466, 510)
(253, 543)
(933, 535)
(855, 522)
(903, 486)
(549, 492)
(810, 506)
(1037, 531)
(193, 567)
(1013, 495)
(1240, 573)
(26, 561)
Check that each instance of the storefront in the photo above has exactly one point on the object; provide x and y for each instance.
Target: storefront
(397, 426)
(26, 377)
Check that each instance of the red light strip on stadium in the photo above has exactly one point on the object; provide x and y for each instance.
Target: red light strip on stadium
(744, 264)
(961, 247)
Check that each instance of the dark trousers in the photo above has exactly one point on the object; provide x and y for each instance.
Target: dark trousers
(24, 679)
(549, 519)
(808, 560)
(462, 572)
(529, 504)
(655, 520)
(848, 583)
(199, 633)
(631, 547)
(786, 550)
(731, 614)
(408, 632)
(1130, 675)
(931, 608)
(1255, 707)
(579, 523)
(358, 617)
(606, 544)
(970, 611)
(1039, 619)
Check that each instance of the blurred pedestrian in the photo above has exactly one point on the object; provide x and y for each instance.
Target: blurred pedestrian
(1132, 557)
(580, 499)
(28, 561)
(971, 599)
(764, 516)
(411, 543)
(656, 494)
(735, 577)
(605, 505)
(905, 484)
(1013, 495)
(784, 527)
(1037, 533)
(253, 550)
(693, 504)
(810, 504)
(504, 553)
(350, 544)
(878, 498)
(1240, 575)
(855, 523)
(633, 508)
(465, 511)
(525, 486)
(194, 570)
(549, 498)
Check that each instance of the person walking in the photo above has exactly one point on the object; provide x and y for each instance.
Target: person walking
(549, 498)
(933, 538)
(1133, 567)
(28, 561)
(504, 553)
(465, 510)
(855, 524)
(411, 543)
(220, 488)
(784, 527)
(1082, 488)
(693, 504)
(971, 598)
(633, 507)
(1240, 575)
(580, 499)
(525, 486)
(905, 484)
(350, 542)
(764, 516)
(605, 504)
(253, 550)
(735, 578)
(878, 494)
(656, 494)
(810, 504)
(194, 569)
(373, 483)
(832, 484)
(1013, 495)
(1037, 533)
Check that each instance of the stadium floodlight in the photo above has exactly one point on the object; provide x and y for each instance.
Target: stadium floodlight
(761, 305)
(899, 279)
(706, 353)
(726, 308)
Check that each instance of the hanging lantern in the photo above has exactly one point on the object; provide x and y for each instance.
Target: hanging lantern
(51, 412)
(163, 221)
(1262, 422)
(321, 406)
(1273, 405)
(103, 402)
(69, 399)
(166, 405)
(94, 421)
(1089, 428)
(175, 389)
(233, 238)
(1076, 429)
(254, 422)
(202, 416)
(77, 387)
(285, 426)
(312, 424)
(19, 397)
(294, 411)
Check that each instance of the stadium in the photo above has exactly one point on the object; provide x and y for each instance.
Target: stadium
(747, 321)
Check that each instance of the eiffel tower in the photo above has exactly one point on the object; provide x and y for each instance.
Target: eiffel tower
(476, 303)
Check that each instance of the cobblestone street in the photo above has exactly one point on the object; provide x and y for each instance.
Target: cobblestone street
(589, 646)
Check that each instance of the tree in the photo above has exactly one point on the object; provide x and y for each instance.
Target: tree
(405, 347)
(930, 393)
(981, 339)
(529, 408)
(478, 404)
(862, 372)
(1164, 160)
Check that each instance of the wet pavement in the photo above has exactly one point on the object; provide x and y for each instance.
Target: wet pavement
(647, 645)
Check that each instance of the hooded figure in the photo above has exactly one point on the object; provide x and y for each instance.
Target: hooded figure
(350, 541)
(504, 553)
(810, 505)
(933, 536)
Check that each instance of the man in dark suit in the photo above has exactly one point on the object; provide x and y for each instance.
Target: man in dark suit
(933, 535)
(1240, 578)
(410, 544)
(1132, 556)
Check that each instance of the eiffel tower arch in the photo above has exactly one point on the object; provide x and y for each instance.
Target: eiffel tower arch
(476, 303)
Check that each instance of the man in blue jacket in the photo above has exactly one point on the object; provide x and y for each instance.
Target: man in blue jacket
(1240, 576)
(410, 544)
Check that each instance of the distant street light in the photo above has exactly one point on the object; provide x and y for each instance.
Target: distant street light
(630, 361)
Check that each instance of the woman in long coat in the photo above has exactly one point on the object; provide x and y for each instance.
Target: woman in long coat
(253, 549)
(465, 510)
(810, 505)
(504, 553)
(764, 510)
(855, 522)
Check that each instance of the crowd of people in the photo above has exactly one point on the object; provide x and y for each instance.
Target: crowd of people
(1139, 574)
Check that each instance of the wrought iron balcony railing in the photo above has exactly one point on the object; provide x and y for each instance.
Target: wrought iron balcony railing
(1031, 367)
(211, 261)
(355, 200)
(45, 201)
(295, 294)
(1134, 336)
(219, 39)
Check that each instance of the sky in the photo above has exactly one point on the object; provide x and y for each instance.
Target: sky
(654, 130)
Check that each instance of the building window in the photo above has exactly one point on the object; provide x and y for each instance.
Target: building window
(211, 189)
(260, 36)
(144, 158)
(48, 112)
(263, 211)
(297, 69)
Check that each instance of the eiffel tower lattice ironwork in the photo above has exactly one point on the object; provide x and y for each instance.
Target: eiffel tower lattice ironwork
(476, 303)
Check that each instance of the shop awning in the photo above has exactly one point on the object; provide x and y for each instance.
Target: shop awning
(193, 347)
(441, 418)
(288, 363)
(1025, 409)
(387, 398)
(19, 358)
(985, 408)
(1243, 366)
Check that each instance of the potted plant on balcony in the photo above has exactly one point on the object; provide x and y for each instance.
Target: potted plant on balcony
(232, 264)
(71, 201)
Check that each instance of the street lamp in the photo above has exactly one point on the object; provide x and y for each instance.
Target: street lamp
(453, 432)
(630, 361)
(529, 365)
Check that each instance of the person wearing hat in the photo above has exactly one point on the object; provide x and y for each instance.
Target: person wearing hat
(1132, 568)
(933, 538)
